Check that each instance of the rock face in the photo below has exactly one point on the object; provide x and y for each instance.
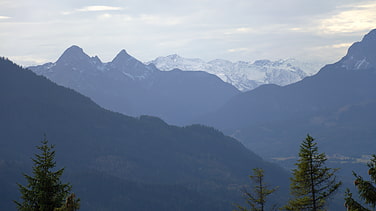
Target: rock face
(128, 86)
(361, 55)
(244, 76)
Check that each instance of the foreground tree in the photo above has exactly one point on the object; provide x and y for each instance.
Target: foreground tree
(71, 204)
(312, 182)
(257, 199)
(366, 190)
(44, 191)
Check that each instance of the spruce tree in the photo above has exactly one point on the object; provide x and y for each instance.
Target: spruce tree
(71, 204)
(257, 199)
(312, 182)
(44, 191)
(366, 190)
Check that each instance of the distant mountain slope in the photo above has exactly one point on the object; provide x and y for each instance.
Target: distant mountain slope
(128, 86)
(116, 162)
(243, 75)
(335, 105)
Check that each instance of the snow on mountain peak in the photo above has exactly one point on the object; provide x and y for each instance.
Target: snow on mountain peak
(361, 55)
(243, 75)
(174, 57)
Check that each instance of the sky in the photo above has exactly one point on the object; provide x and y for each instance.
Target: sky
(38, 31)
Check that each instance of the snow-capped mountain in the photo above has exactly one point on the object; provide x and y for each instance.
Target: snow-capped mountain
(361, 55)
(128, 86)
(243, 75)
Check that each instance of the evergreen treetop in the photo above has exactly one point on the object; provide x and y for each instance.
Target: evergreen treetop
(312, 182)
(366, 190)
(260, 191)
(44, 190)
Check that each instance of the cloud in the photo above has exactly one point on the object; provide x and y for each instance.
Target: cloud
(4, 17)
(98, 8)
(28, 60)
(339, 45)
(94, 8)
(240, 30)
(354, 18)
(234, 50)
(234, 30)
(160, 20)
(105, 16)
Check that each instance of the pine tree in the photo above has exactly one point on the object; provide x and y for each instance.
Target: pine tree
(44, 191)
(71, 204)
(366, 190)
(312, 182)
(257, 199)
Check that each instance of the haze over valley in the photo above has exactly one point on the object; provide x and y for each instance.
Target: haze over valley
(184, 105)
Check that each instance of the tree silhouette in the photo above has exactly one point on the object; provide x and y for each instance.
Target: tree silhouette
(366, 190)
(312, 182)
(44, 191)
(257, 198)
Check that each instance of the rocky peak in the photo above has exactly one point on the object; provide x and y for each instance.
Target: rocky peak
(361, 55)
(128, 65)
(73, 54)
(123, 58)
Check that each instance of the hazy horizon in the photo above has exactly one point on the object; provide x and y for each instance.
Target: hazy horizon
(319, 31)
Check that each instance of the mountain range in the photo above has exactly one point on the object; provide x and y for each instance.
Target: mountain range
(199, 163)
(117, 162)
(245, 76)
(337, 106)
(266, 116)
(128, 86)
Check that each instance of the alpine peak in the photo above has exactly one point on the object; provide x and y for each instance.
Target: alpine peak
(361, 55)
(122, 55)
(73, 53)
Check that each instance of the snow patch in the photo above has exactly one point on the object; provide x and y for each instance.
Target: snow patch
(362, 64)
(243, 75)
(128, 75)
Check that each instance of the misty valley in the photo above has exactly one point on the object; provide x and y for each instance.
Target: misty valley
(184, 134)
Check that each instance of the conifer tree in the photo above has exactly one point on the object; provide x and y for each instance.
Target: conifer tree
(44, 191)
(312, 182)
(366, 190)
(257, 199)
(71, 204)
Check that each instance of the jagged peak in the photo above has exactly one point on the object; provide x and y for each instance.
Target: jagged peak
(74, 49)
(361, 55)
(96, 60)
(73, 53)
(371, 36)
(121, 56)
(174, 56)
(262, 62)
(125, 63)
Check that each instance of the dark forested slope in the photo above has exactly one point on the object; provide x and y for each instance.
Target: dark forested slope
(116, 162)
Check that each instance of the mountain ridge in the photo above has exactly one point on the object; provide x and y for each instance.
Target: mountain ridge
(361, 55)
(103, 150)
(279, 116)
(243, 75)
(129, 86)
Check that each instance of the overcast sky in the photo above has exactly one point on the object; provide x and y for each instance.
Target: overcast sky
(38, 31)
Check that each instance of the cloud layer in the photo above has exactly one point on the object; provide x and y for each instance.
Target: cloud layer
(236, 30)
